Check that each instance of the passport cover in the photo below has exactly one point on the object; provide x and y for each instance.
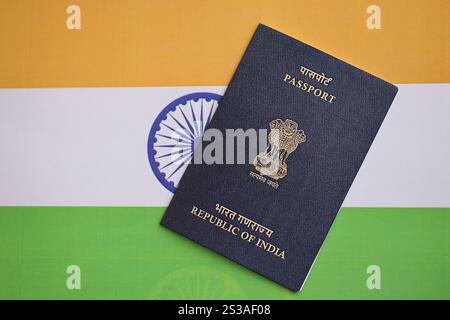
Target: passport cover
(273, 213)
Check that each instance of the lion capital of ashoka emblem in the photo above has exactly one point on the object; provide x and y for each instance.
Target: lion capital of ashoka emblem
(283, 139)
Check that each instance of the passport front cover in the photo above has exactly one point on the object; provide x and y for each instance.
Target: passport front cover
(272, 213)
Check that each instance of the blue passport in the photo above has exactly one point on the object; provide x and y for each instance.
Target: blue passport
(272, 213)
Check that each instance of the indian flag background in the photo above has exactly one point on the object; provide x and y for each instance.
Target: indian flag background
(76, 111)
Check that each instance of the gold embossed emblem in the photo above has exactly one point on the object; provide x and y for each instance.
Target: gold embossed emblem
(284, 138)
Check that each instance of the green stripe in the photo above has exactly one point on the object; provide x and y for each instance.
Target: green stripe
(125, 253)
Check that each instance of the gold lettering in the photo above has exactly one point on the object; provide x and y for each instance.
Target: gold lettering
(268, 247)
(317, 92)
(287, 77)
(309, 88)
(236, 231)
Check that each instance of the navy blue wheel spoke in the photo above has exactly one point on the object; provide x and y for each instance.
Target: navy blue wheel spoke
(209, 116)
(180, 140)
(181, 156)
(202, 130)
(180, 165)
(172, 145)
(176, 131)
(183, 127)
(187, 122)
(171, 141)
(173, 153)
(197, 133)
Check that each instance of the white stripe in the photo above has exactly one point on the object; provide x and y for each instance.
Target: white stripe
(88, 147)
(408, 164)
